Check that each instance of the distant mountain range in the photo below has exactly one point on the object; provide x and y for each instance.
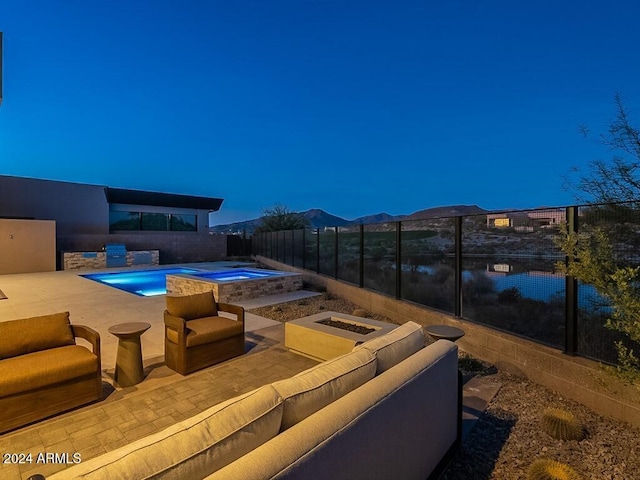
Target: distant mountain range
(319, 218)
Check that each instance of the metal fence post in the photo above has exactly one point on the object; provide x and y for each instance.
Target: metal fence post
(304, 248)
(398, 260)
(571, 292)
(457, 301)
(318, 250)
(335, 254)
(361, 266)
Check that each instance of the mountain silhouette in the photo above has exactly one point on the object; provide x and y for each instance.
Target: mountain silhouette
(318, 218)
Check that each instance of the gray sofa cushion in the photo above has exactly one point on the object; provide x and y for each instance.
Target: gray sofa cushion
(316, 387)
(193, 448)
(393, 347)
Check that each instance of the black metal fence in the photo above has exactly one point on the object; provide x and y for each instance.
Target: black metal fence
(498, 269)
(238, 246)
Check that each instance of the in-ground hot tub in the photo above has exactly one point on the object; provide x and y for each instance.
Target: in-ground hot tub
(233, 284)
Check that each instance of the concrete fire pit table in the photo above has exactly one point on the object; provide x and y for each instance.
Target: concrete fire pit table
(307, 336)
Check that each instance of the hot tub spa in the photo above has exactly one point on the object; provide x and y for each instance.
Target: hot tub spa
(235, 284)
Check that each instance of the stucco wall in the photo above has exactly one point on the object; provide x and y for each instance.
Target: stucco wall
(75, 207)
(27, 246)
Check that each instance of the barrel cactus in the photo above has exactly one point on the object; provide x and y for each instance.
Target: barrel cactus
(546, 469)
(562, 424)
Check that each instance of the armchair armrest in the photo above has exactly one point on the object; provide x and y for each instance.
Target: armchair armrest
(237, 310)
(176, 323)
(89, 334)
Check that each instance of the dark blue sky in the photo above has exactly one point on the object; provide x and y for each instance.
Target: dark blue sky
(356, 107)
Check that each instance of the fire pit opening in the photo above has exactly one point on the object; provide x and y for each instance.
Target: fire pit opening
(328, 335)
(351, 327)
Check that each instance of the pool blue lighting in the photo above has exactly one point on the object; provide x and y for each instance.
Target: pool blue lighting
(146, 283)
(235, 274)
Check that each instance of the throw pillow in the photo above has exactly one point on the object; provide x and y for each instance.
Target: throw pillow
(198, 305)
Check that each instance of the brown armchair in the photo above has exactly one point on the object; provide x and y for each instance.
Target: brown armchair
(196, 336)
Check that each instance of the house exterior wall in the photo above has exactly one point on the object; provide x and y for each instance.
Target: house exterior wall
(76, 208)
(27, 246)
(81, 215)
(179, 247)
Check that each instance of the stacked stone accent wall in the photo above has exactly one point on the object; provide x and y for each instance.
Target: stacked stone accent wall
(84, 260)
(230, 292)
(98, 260)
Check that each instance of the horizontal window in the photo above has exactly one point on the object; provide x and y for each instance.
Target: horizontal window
(184, 223)
(157, 222)
(124, 220)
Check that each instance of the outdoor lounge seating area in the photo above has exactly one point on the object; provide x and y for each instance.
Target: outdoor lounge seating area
(376, 402)
(122, 415)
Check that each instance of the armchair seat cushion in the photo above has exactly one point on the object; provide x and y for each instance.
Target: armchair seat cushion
(207, 330)
(44, 368)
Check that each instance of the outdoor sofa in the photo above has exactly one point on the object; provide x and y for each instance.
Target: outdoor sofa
(42, 370)
(391, 408)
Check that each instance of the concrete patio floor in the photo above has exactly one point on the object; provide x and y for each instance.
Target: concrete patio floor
(164, 397)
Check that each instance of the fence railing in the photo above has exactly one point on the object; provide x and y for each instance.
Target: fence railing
(496, 269)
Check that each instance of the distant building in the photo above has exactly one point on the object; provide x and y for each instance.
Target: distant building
(89, 216)
(527, 221)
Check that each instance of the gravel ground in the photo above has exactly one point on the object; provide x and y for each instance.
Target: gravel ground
(508, 437)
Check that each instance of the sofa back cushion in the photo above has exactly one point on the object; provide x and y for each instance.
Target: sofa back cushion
(193, 448)
(27, 335)
(315, 388)
(398, 425)
(193, 306)
(393, 347)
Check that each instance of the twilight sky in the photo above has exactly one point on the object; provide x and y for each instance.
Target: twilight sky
(356, 107)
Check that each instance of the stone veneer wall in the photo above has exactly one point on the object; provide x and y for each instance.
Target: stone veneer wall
(97, 260)
(230, 292)
(577, 378)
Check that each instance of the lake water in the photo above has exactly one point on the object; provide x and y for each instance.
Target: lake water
(534, 284)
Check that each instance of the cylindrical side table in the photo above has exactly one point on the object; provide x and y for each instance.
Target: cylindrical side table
(129, 369)
(438, 332)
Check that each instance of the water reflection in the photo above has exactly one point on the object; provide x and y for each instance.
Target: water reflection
(536, 280)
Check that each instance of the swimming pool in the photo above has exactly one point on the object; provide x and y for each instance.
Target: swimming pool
(146, 283)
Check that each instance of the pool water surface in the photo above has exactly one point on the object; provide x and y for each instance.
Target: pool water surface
(146, 283)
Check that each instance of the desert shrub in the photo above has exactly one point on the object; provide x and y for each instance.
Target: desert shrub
(509, 295)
